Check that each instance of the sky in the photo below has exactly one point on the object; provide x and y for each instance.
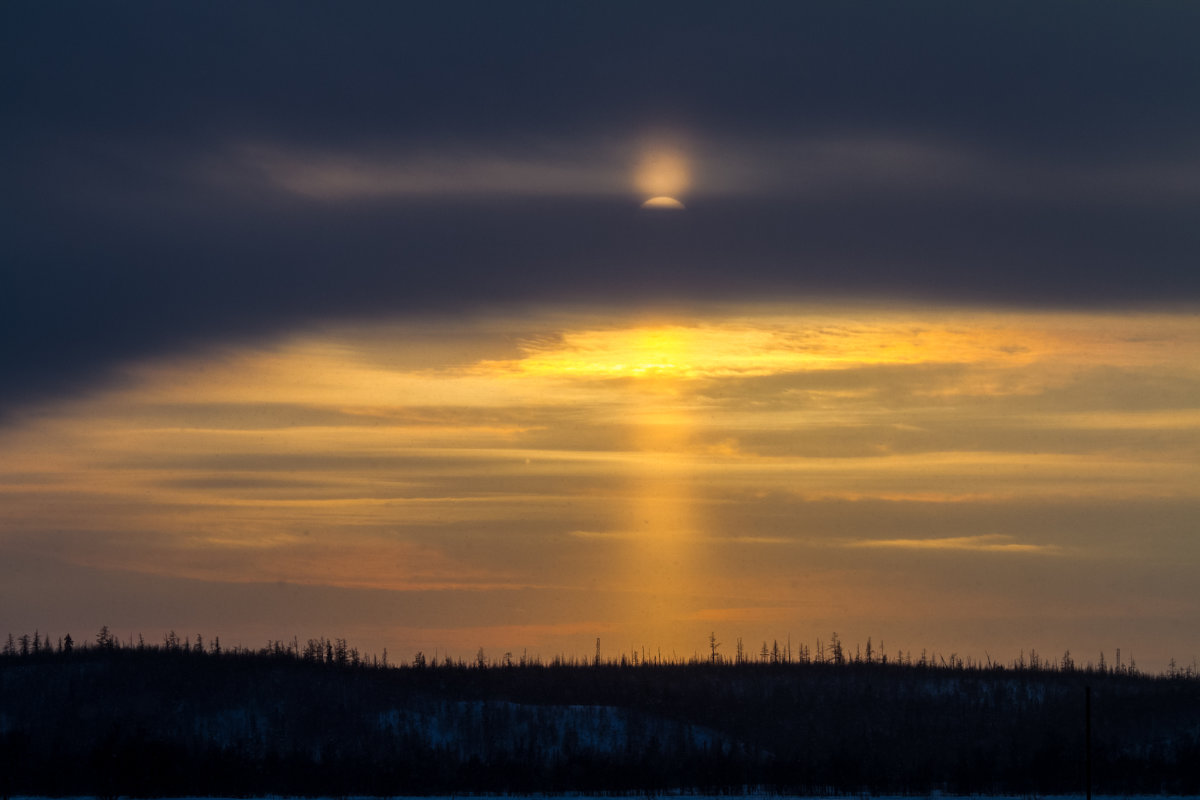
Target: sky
(349, 320)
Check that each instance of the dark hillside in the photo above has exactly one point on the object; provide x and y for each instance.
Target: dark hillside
(165, 721)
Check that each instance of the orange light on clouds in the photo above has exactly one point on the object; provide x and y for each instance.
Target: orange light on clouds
(770, 344)
(652, 476)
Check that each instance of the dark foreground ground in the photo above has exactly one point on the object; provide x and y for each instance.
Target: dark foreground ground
(169, 722)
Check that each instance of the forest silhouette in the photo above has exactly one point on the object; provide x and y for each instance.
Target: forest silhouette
(190, 717)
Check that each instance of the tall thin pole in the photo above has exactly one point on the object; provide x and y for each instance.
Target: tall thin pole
(1087, 717)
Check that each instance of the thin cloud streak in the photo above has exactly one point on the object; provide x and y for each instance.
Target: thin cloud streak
(337, 176)
(986, 543)
(852, 165)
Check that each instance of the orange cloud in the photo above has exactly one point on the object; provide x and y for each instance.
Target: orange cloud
(987, 543)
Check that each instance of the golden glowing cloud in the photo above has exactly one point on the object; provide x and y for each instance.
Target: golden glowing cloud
(771, 344)
(982, 544)
(680, 469)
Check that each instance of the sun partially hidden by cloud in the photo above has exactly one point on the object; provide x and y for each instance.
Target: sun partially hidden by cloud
(663, 203)
(663, 170)
(645, 477)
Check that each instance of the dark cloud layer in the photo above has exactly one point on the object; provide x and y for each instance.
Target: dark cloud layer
(1024, 154)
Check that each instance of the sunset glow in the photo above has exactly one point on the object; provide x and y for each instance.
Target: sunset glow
(586, 399)
(612, 465)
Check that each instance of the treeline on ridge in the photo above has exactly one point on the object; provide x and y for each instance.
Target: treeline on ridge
(339, 652)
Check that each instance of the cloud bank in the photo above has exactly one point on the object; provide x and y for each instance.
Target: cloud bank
(177, 175)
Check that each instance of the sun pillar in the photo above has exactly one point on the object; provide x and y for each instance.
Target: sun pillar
(661, 515)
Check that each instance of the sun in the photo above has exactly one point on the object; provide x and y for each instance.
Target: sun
(662, 174)
(663, 203)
